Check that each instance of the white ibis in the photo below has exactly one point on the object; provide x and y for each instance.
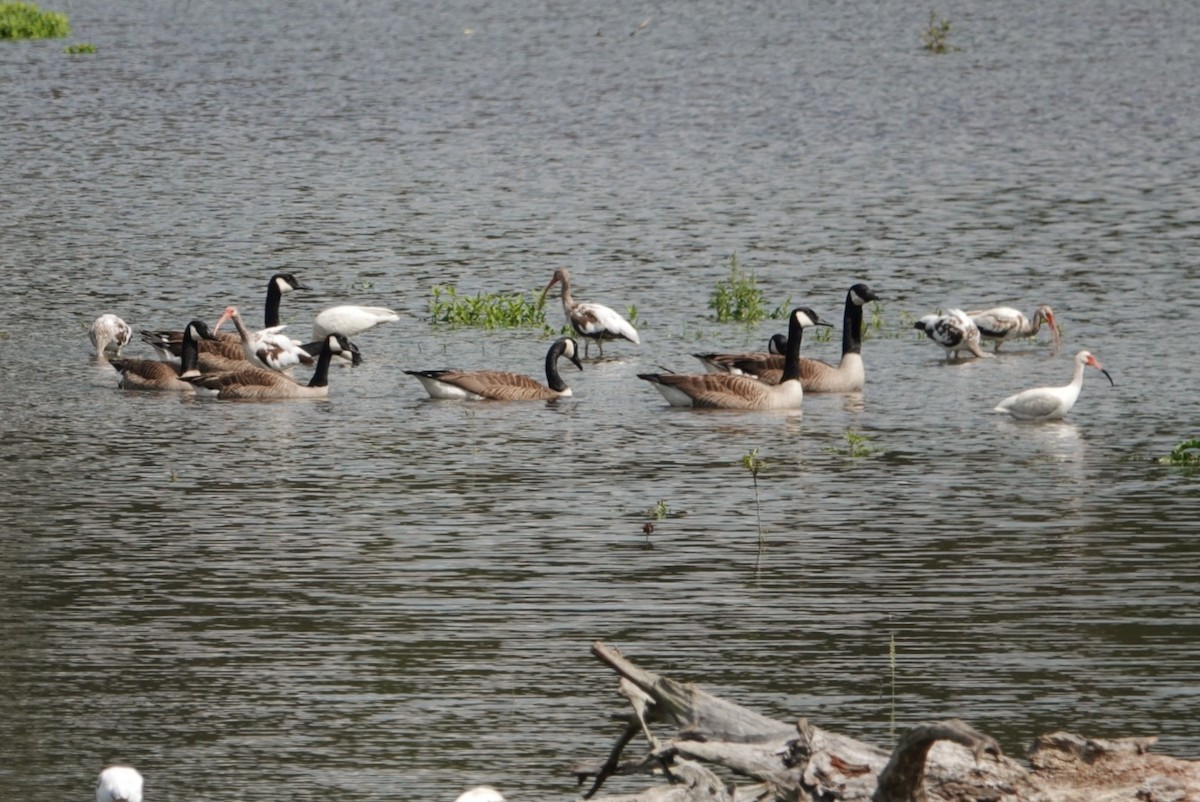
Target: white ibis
(267, 348)
(109, 334)
(954, 331)
(478, 385)
(262, 384)
(1051, 403)
(119, 784)
(591, 320)
(727, 391)
(1003, 323)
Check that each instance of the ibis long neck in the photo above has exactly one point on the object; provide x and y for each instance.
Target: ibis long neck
(243, 332)
(554, 379)
(852, 327)
(274, 296)
(791, 358)
(1077, 379)
(320, 377)
(567, 301)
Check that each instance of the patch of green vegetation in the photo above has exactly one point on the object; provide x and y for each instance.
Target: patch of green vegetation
(659, 511)
(857, 445)
(1186, 453)
(874, 324)
(936, 37)
(631, 314)
(79, 47)
(487, 310)
(27, 21)
(738, 298)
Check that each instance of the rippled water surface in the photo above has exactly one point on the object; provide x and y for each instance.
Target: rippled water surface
(383, 597)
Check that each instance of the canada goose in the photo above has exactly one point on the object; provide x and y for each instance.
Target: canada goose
(268, 348)
(152, 374)
(848, 376)
(109, 334)
(350, 320)
(259, 383)
(119, 784)
(593, 321)
(167, 343)
(1051, 403)
(478, 385)
(726, 391)
(954, 331)
(1003, 323)
(482, 793)
(746, 361)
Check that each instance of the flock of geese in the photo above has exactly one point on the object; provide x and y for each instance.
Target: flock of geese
(246, 364)
(256, 364)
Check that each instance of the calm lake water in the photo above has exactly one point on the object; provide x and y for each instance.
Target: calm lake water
(380, 597)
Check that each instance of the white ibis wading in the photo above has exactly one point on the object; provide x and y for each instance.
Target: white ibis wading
(1051, 403)
(954, 331)
(591, 320)
(1003, 323)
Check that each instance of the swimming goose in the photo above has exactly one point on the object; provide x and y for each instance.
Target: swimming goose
(593, 321)
(954, 331)
(478, 385)
(726, 391)
(268, 348)
(109, 334)
(167, 343)
(1003, 323)
(482, 793)
(259, 383)
(848, 376)
(119, 784)
(1051, 403)
(350, 320)
(746, 361)
(153, 374)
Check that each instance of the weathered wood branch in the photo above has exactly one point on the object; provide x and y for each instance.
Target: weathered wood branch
(722, 752)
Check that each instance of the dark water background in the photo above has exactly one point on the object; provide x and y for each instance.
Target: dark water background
(381, 597)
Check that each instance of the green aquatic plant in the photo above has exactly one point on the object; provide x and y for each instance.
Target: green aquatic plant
(874, 325)
(487, 310)
(659, 511)
(738, 298)
(753, 463)
(1186, 453)
(79, 47)
(631, 314)
(27, 21)
(936, 37)
(857, 445)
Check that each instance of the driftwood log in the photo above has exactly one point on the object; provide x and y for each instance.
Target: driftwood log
(718, 751)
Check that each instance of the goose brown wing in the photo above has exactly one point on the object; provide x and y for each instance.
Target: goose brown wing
(499, 385)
